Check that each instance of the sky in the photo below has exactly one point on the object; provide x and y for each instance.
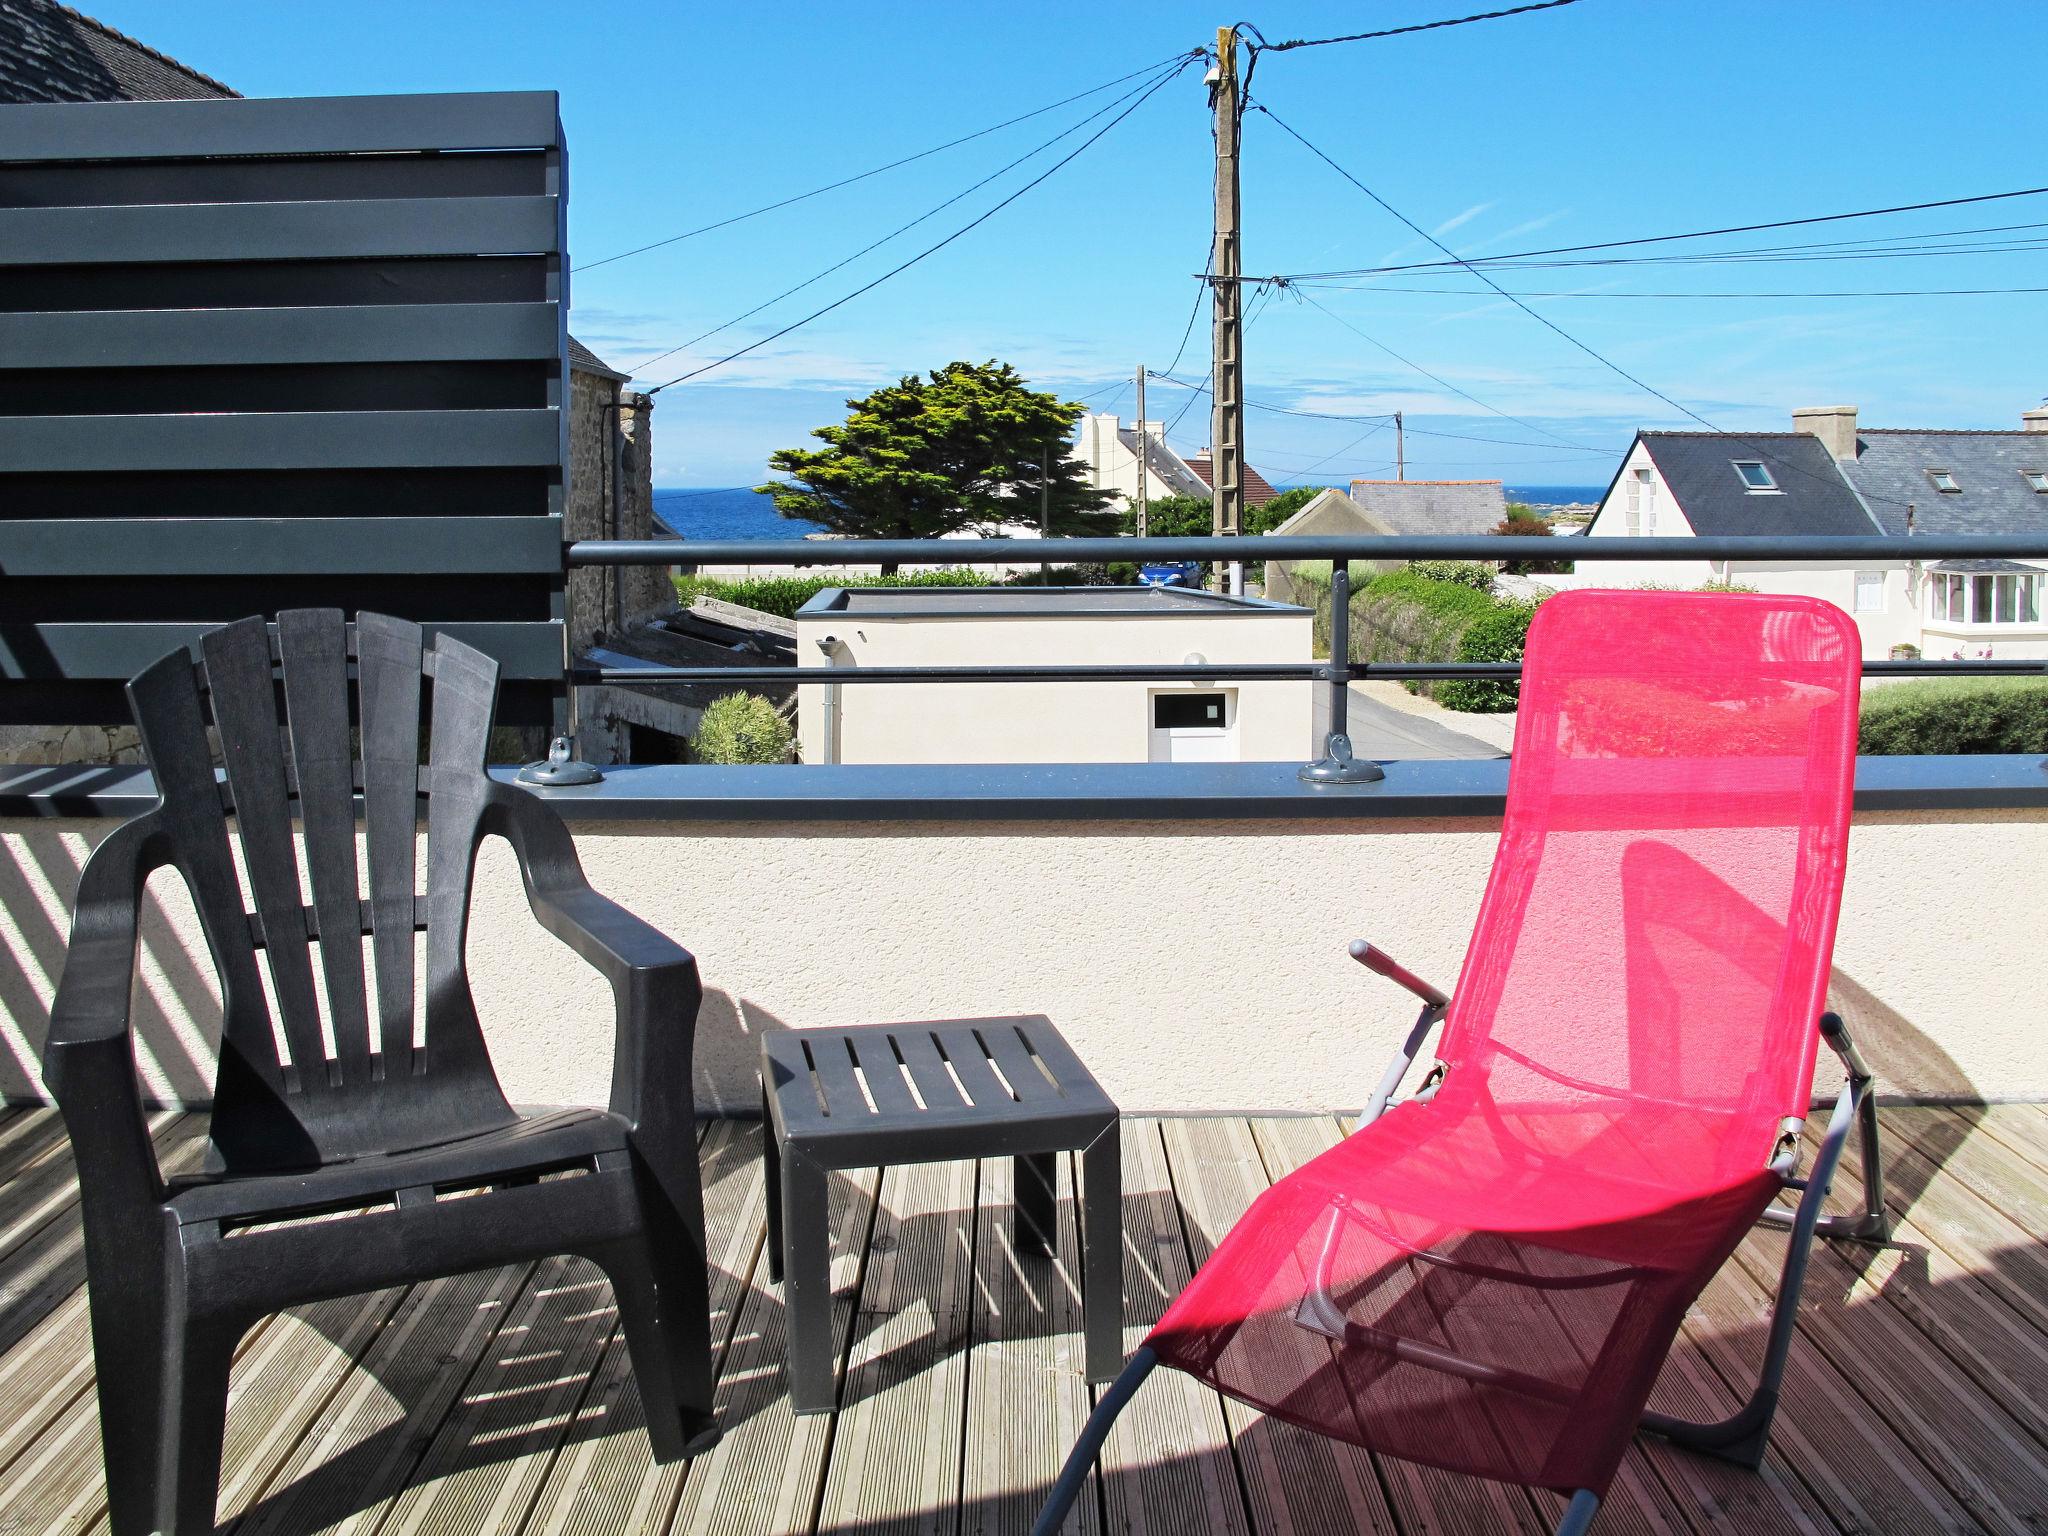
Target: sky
(1602, 120)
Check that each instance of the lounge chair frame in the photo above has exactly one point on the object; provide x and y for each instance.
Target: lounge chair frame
(1743, 1435)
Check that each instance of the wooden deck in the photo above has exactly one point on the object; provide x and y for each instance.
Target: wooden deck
(501, 1402)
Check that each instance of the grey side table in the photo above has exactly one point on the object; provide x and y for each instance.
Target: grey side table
(884, 1094)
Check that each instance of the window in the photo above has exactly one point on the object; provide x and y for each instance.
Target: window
(1187, 711)
(1984, 599)
(1870, 591)
(1754, 476)
(1642, 502)
(2037, 480)
(1944, 482)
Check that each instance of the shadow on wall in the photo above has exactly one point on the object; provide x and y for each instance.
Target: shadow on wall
(177, 1016)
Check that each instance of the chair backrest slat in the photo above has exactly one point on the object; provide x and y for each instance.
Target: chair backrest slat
(165, 701)
(388, 662)
(244, 703)
(465, 683)
(313, 647)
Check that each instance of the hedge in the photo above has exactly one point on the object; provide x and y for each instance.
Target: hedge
(1408, 615)
(783, 595)
(1944, 715)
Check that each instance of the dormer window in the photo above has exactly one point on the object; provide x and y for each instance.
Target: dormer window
(1754, 476)
(2037, 480)
(1944, 482)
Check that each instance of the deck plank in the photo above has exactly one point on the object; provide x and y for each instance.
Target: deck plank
(1168, 1467)
(895, 1464)
(605, 1481)
(1300, 1484)
(502, 1403)
(1026, 1400)
(357, 1455)
(764, 1477)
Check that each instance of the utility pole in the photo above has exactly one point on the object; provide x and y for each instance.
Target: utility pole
(1400, 450)
(1226, 431)
(1144, 457)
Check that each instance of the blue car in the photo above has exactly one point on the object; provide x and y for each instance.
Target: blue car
(1171, 573)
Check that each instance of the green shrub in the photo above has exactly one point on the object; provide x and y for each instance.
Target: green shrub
(1498, 636)
(1476, 574)
(742, 728)
(1955, 715)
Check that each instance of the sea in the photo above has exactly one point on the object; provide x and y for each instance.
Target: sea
(724, 513)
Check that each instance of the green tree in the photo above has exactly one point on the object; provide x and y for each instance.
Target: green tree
(1522, 522)
(965, 448)
(1275, 512)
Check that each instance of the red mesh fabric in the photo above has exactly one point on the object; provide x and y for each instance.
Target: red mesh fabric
(1493, 1277)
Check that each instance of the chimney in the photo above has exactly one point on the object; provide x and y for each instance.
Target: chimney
(1834, 425)
(2035, 420)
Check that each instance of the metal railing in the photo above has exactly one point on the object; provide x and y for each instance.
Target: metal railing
(1337, 765)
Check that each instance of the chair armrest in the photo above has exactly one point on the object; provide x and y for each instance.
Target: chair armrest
(89, 1058)
(1379, 961)
(655, 989)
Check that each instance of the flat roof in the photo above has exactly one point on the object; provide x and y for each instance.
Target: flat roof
(1035, 602)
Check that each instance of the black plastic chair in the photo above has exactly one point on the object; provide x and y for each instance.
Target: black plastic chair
(377, 1138)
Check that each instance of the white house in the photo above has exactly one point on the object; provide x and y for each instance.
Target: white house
(1828, 478)
(1206, 720)
(1110, 453)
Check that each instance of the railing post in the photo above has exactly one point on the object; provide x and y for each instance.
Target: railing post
(1337, 765)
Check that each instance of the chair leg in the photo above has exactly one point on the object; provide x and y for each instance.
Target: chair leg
(162, 1419)
(1102, 1252)
(1035, 1202)
(807, 1283)
(661, 1282)
(1578, 1515)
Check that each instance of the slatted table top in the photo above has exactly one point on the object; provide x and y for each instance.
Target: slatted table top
(934, 1078)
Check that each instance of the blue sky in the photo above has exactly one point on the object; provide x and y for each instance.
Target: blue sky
(1604, 120)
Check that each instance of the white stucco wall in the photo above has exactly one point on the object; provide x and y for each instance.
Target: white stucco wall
(1049, 722)
(1194, 965)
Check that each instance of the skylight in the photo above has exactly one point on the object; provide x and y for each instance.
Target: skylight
(2037, 480)
(1754, 476)
(1944, 482)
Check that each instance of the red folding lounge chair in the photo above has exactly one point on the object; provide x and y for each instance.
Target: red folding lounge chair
(1487, 1276)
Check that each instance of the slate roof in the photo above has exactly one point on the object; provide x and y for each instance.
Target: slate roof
(1890, 470)
(1433, 506)
(581, 357)
(1257, 489)
(1170, 468)
(49, 52)
(1812, 498)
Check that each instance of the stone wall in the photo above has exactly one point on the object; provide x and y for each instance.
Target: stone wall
(594, 593)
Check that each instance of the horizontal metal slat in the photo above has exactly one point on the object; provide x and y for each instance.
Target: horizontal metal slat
(320, 125)
(281, 546)
(337, 333)
(280, 440)
(365, 227)
(59, 652)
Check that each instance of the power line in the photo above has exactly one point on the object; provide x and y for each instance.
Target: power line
(1421, 26)
(1552, 325)
(940, 245)
(1446, 383)
(848, 181)
(1843, 293)
(900, 229)
(1695, 234)
(1463, 437)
